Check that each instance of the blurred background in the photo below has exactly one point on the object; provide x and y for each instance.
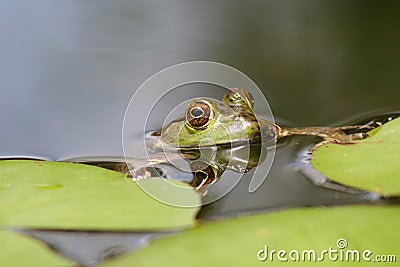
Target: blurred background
(69, 68)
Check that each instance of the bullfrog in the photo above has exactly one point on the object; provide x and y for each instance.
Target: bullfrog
(210, 122)
(230, 125)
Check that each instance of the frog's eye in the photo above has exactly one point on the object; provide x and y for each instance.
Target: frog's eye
(199, 114)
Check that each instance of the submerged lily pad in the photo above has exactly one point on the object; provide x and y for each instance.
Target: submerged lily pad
(371, 164)
(19, 250)
(76, 196)
(242, 241)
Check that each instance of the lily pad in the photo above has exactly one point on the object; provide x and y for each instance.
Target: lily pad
(371, 164)
(241, 241)
(61, 195)
(19, 250)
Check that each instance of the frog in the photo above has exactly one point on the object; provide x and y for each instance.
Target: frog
(232, 122)
(210, 122)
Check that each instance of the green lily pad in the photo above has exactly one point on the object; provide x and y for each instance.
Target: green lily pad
(239, 242)
(76, 196)
(19, 250)
(371, 164)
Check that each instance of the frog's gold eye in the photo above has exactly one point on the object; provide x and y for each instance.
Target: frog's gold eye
(199, 114)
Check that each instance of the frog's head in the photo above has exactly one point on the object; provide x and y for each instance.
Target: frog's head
(208, 122)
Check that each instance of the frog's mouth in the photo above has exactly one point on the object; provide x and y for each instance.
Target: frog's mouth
(155, 142)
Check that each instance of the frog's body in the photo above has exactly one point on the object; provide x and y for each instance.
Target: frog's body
(209, 122)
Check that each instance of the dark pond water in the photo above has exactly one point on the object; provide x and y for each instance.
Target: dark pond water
(69, 69)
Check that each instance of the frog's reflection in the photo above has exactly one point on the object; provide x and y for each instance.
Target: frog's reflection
(238, 158)
(204, 165)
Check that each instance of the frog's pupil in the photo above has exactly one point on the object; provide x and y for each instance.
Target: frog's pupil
(196, 112)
